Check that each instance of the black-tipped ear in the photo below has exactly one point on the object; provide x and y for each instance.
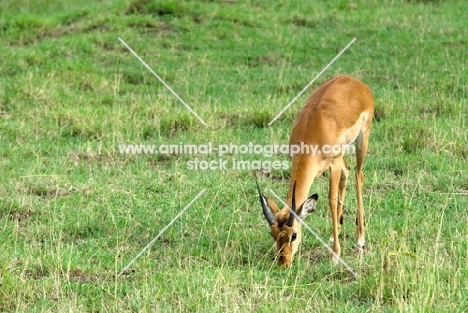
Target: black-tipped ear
(308, 206)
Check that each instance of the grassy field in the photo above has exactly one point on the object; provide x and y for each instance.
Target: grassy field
(74, 210)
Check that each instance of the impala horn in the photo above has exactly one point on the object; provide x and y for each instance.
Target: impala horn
(293, 209)
(270, 217)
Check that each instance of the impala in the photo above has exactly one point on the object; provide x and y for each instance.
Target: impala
(338, 113)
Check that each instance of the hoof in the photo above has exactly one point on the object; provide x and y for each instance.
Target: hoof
(359, 251)
(335, 260)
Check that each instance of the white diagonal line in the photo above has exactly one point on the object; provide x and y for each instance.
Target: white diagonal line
(161, 232)
(162, 81)
(316, 236)
(312, 81)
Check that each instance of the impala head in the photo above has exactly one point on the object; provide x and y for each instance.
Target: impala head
(285, 226)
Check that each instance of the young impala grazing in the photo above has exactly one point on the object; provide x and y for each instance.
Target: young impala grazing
(338, 113)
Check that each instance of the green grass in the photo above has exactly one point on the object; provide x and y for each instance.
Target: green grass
(74, 211)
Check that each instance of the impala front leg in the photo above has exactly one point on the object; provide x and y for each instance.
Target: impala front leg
(335, 177)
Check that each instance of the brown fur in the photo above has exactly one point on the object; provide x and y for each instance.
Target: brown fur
(334, 110)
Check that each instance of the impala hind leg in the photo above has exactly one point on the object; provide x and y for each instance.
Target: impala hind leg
(361, 152)
(341, 195)
(342, 191)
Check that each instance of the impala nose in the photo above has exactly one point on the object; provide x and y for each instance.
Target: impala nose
(285, 261)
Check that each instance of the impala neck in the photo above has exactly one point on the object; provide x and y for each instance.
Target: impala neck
(303, 174)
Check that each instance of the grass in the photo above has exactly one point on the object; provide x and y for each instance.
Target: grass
(74, 211)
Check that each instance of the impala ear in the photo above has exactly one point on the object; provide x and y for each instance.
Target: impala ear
(308, 206)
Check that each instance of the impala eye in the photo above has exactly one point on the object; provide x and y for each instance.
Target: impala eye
(293, 237)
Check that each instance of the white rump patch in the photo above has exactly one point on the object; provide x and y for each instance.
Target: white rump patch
(351, 134)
